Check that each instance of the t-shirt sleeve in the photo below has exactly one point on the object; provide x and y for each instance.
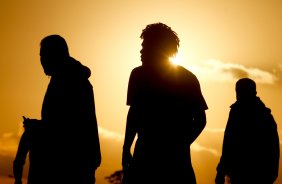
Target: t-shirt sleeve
(132, 88)
(197, 96)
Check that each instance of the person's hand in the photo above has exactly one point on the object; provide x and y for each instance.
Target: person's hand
(18, 182)
(220, 178)
(29, 123)
(126, 162)
(126, 159)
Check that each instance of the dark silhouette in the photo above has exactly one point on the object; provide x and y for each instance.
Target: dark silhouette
(250, 152)
(71, 142)
(167, 112)
(69, 110)
(30, 142)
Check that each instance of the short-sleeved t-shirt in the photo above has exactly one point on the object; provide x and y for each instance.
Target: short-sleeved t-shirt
(166, 99)
(176, 84)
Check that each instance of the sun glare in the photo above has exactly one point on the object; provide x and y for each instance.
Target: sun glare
(177, 60)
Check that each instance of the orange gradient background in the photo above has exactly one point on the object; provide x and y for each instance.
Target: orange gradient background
(220, 41)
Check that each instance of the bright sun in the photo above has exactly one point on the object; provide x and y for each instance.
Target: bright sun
(177, 60)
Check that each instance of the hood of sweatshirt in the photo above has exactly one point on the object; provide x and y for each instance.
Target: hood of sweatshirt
(254, 104)
(73, 69)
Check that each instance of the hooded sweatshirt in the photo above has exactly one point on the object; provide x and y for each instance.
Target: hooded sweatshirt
(251, 143)
(72, 142)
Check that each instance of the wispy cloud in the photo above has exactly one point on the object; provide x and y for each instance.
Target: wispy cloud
(215, 130)
(8, 144)
(217, 70)
(9, 141)
(104, 133)
(108, 134)
(198, 148)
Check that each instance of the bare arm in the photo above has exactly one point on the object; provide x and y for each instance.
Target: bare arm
(199, 123)
(130, 133)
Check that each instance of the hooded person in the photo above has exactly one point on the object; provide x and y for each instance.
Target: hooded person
(70, 137)
(250, 152)
(69, 111)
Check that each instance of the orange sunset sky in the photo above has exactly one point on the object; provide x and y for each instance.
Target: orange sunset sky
(220, 41)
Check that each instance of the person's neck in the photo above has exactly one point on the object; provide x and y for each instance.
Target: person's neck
(156, 63)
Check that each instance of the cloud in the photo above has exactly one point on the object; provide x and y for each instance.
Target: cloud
(198, 148)
(217, 70)
(215, 130)
(105, 133)
(8, 144)
(9, 141)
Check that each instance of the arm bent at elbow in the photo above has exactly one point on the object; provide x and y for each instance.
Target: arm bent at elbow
(130, 133)
(199, 123)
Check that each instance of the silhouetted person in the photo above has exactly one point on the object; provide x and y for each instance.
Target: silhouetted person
(69, 111)
(70, 136)
(167, 112)
(250, 152)
(30, 142)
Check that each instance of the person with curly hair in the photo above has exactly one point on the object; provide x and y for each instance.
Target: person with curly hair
(167, 113)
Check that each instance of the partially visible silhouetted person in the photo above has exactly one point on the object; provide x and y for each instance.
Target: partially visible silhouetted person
(250, 152)
(167, 113)
(30, 142)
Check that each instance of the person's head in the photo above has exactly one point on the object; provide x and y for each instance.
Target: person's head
(160, 43)
(245, 89)
(53, 52)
